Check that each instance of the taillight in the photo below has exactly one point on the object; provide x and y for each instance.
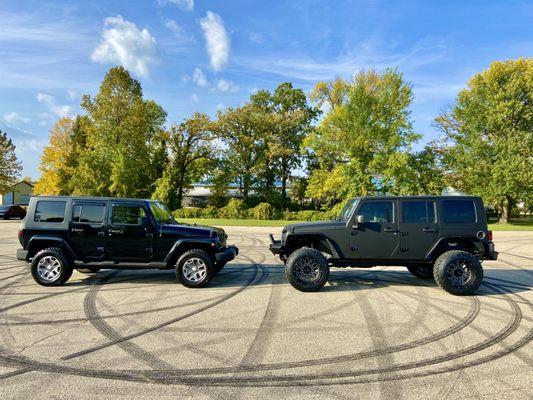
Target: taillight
(21, 233)
(489, 235)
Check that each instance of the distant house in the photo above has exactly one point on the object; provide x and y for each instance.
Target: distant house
(19, 193)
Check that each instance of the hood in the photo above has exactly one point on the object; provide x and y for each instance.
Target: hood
(193, 230)
(316, 226)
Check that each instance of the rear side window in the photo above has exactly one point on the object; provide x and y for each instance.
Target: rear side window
(458, 211)
(88, 213)
(418, 212)
(377, 211)
(128, 215)
(50, 211)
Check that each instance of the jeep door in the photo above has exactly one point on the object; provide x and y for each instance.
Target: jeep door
(87, 229)
(130, 232)
(418, 228)
(377, 237)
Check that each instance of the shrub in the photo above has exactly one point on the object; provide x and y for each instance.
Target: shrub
(188, 212)
(262, 211)
(234, 210)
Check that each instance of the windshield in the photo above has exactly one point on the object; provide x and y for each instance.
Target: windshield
(348, 208)
(161, 213)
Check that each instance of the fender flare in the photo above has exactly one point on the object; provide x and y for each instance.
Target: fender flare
(434, 252)
(332, 246)
(59, 242)
(179, 244)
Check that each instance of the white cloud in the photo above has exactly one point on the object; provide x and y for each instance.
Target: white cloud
(13, 118)
(194, 97)
(226, 86)
(127, 45)
(199, 78)
(175, 28)
(71, 94)
(183, 4)
(217, 40)
(50, 103)
(221, 106)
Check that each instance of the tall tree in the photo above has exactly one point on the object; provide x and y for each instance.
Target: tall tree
(191, 148)
(489, 135)
(362, 144)
(55, 169)
(10, 167)
(119, 129)
(290, 118)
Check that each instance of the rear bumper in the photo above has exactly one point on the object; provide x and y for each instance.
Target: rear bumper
(276, 246)
(22, 254)
(227, 254)
(491, 253)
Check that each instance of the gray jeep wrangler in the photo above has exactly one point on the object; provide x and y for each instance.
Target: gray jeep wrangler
(440, 237)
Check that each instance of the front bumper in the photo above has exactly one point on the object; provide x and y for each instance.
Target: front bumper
(22, 254)
(276, 246)
(227, 254)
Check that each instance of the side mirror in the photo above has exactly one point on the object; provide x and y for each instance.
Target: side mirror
(360, 219)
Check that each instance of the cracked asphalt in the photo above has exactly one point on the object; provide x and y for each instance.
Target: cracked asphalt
(375, 333)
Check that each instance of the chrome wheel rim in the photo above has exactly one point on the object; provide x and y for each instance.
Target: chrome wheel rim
(459, 273)
(307, 269)
(49, 269)
(194, 270)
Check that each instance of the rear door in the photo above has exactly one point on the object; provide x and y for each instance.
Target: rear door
(377, 238)
(87, 229)
(418, 228)
(130, 232)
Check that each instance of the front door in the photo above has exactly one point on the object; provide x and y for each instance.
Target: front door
(87, 229)
(418, 228)
(377, 237)
(130, 233)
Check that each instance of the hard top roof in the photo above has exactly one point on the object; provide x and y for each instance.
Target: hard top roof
(91, 198)
(420, 197)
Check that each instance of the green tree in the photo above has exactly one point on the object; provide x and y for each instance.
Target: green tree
(191, 149)
(9, 165)
(56, 171)
(362, 145)
(118, 132)
(287, 122)
(489, 135)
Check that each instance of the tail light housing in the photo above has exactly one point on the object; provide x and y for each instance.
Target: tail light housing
(489, 235)
(21, 233)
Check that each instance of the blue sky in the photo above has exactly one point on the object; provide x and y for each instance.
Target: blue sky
(194, 55)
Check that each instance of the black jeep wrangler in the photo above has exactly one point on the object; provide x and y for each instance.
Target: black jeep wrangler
(60, 234)
(441, 237)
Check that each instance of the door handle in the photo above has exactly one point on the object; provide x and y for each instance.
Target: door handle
(112, 231)
(429, 230)
(76, 229)
(390, 230)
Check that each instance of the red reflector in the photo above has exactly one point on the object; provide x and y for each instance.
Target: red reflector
(489, 235)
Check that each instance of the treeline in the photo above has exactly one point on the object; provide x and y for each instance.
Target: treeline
(348, 138)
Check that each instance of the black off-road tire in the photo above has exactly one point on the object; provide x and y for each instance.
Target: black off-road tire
(185, 264)
(88, 270)
(445, 269)
(65, 266)
(421, 271)
(303, 260)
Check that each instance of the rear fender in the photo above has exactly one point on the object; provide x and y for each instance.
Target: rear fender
(467, 243)
(39, 242)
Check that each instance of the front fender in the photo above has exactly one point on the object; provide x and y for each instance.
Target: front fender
(42, 241)
(180, 244)
(331, 246)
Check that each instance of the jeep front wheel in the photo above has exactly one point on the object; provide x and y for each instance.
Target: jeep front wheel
(50, 267)
(458, 272)
(421, 271)
(307, 270)
(195, 268)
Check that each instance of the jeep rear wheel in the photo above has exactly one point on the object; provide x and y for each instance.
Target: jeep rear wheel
(195, 268)
(458, 272)
(421, 271)
(307, 270)
(50, 267)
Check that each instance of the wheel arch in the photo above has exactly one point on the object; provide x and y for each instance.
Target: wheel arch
(447, 243)
(41, 242)
(316, 241)
(183, 245)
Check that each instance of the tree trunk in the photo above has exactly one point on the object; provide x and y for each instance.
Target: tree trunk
(505, 216)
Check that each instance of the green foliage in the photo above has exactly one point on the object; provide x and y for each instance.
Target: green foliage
(262, 211)
(9, 165)
(488, 136)
(362, 145)
(233, 210)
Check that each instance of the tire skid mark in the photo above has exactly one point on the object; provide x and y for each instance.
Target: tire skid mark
(166, 323)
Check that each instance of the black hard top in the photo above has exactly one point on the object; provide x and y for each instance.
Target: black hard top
(91, 198)
(421, 197)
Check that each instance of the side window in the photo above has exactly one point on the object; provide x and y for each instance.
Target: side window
(88, 213)
(458, 211)
(50, 211)
(128, 214)
(377, 211)
(418, 212)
